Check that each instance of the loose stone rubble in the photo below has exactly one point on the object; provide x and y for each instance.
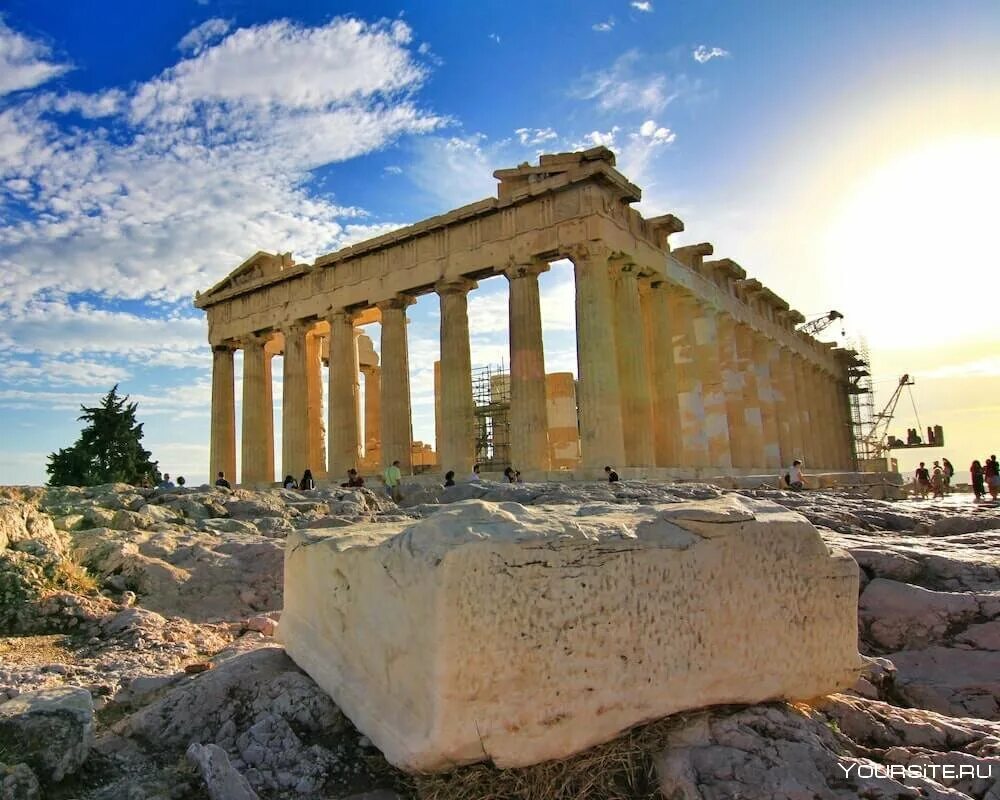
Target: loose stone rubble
(125, 628)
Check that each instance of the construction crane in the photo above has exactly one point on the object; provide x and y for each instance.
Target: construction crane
(820, 324)
(879, 440)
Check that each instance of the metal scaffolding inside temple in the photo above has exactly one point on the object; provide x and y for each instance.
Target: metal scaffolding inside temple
(491, 397)
(862, 401)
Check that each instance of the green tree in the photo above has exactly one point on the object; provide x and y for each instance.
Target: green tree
(109, 449)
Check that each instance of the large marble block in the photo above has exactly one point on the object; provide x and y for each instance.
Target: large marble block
(521, 634)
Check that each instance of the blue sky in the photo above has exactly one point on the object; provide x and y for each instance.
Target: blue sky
(841, 152)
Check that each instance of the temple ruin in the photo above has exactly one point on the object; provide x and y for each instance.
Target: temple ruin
(684, 364)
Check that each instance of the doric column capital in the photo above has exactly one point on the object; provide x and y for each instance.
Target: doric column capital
(528, 269)
(341, 316)
(369, 369)
(297, 326)
(662, 228)
(589, 251)
(396, 303)
(692, 255)
(228, 346)
(454, 286)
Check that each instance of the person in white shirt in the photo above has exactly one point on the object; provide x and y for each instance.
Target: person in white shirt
(794, 477)
(474, 477)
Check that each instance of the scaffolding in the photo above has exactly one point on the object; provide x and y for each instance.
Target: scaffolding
(491, 398)
(862, 401)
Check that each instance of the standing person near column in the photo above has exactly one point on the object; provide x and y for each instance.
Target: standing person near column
(978, 480)
(992, 470)
(392, 478)
(922, 480)
(307, 481)
(949, 472)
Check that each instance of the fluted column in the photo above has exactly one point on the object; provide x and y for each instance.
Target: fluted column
(397, 436)
(457, 437)
(529, 445)
(809, 448)
(344, 441)
(749, 399)
(633, 369)
(295, 403)
(788, 419)
(373, 407)
(222, 450)
(314, 388)
(849, 444)
(822, 422)
(765, 356)
(655, 300)
(733, 387)
(690, 405)
(707, 356)
(599, 395)
(258, 413)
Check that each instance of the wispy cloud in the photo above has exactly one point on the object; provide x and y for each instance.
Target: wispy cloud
(629, 85)
(197, 39)
(642, 5)
(604, 27)
(25, 63)
(701, 53)
(533, 136)
(494, 36)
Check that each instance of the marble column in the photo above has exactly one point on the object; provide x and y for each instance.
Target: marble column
(314, 389)
(397, 436)
(295, 403)
(655, 299)
(690, 404)
(529, 445)
(749, 400)
(789, 434)
(222, 451)
(258, 414)
(765, 356)
(809, 448)
(456, 440)
(599, 395)
(823, 423)
(633, 369)
(344, 441)
(734, 379)
(373, 408)
(708, 363)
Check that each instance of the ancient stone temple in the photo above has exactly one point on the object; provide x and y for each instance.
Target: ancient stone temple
(684, 363)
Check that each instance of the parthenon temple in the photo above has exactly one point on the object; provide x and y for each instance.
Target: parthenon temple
(685, 366)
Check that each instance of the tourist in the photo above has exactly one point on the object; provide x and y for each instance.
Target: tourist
(307, 481)
(937, 481)
(517, 476)
(474, 477)
(922, 480)
(508, 473)
(221, 481)
(612, 475)
(449, 478)
(290, 483)
(392, 478)
(992, 472)
(794, 478)
(949, 472)
(166, 483)
(354, 480)
(978, 480)
(180, 481)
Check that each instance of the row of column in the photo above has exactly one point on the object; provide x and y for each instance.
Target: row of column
(664, 380)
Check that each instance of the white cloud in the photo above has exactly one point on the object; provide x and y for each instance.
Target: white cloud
(201, 165)
(701, 53)
(393, 169)
(628, 86)
(642, 5)
(454, 171)
(604, 27)
(533, 136)
(24, 62)
(494, 36)
(197, 39)
(650, 130)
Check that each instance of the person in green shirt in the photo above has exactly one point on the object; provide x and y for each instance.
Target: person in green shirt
(392, 478)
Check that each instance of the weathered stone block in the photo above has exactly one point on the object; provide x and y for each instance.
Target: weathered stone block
(495, 631)
(51, 730)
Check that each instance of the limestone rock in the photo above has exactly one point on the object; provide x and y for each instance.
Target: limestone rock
(18, 782)
(222, 781)
(897, 615)
(495, 631)
(51, 730)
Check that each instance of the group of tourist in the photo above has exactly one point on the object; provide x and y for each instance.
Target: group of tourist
(985, 478)
(166, 483)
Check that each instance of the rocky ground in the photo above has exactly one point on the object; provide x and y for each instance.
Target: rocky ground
(137, 658)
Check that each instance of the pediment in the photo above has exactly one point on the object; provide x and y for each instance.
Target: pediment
(259, 267)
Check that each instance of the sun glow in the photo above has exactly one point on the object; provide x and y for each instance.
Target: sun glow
(918, 237)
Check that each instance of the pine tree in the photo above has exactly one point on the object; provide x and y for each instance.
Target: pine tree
(108, 450)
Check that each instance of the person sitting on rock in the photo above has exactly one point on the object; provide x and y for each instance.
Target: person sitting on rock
(474, 477)
(612, 475)
(290, 483)
(166, 483)
(353, 479)
(794, 478)
(508, 473)
(449, 478)
(307, 481)
(222, 482)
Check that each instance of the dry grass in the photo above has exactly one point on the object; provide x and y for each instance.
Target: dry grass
(33, 651)
(623, 769)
